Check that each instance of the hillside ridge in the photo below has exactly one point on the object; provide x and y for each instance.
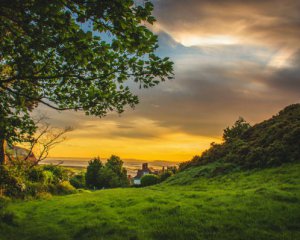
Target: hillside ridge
(270, 143)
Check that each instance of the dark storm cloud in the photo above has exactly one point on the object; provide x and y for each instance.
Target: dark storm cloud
(213, 100)
(288, 79)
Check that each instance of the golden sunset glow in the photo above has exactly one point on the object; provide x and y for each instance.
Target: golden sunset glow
(177, 147)
(159, 143)
(189, 41)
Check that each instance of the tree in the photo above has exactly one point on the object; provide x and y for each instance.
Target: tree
(73, 55)
(108, 179)
(116, 165)
(38, 145)
(236, 131)
(93, 172)
(110, 175)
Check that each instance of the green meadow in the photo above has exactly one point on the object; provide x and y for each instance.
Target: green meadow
(193, 204)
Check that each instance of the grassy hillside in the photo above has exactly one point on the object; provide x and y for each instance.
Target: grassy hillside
(261, 204)
(270, 143)
(245, 188)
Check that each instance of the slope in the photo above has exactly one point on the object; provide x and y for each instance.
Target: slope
(260, 204)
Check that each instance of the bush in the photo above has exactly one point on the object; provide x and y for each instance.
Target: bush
(62, 188)
(78, 181)
(39, 174)
(48, 177)
(60, 174)
(35, 174)
(149, 179)
(11, 185)
(163, 176)
(35, 188)
(37, 182)
(44, 195)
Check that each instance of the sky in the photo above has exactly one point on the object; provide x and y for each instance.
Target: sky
(231, 58)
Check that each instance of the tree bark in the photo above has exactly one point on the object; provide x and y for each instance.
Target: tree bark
(2, 150)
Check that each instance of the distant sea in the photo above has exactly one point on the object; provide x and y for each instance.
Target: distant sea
(132, 165)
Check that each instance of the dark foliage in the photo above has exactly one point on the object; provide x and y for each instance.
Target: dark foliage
(165, 175)
(78, 181)
(270, 143)
(73, 55)
(10, 184)
(110, 175)
(149, 179)
(93, 171)
(26, 183)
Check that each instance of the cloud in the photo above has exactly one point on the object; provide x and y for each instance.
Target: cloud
(232, 58)
(212, 88)
(287, 79)
(271, 21)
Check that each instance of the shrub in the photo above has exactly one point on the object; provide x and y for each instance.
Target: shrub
(11, 185)
(39, 174)
(163, 176)
(63, 188)
(44, 195)
(37, 182)
(48, 177)
(59, 173)
(78, 181)
(149, 179)
(35, 188)
(35, 174)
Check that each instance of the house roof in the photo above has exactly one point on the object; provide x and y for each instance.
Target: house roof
(140, 173)
(145, 170)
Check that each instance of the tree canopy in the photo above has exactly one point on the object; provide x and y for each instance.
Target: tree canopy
(240, 126)
(74, 55)
(110, 175)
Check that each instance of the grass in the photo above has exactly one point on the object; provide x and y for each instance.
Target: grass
(262, 204)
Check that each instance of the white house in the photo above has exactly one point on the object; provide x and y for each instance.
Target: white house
(140, 173)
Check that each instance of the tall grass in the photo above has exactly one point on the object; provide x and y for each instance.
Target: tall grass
(190, 205)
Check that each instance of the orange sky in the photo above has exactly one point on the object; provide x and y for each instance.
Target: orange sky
(173, 147)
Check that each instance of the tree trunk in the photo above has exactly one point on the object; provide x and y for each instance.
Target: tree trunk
(2, 150)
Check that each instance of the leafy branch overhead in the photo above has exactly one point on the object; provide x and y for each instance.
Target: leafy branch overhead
(76, 55)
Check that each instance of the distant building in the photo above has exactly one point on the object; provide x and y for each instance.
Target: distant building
(141, 172)
(146, 170)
